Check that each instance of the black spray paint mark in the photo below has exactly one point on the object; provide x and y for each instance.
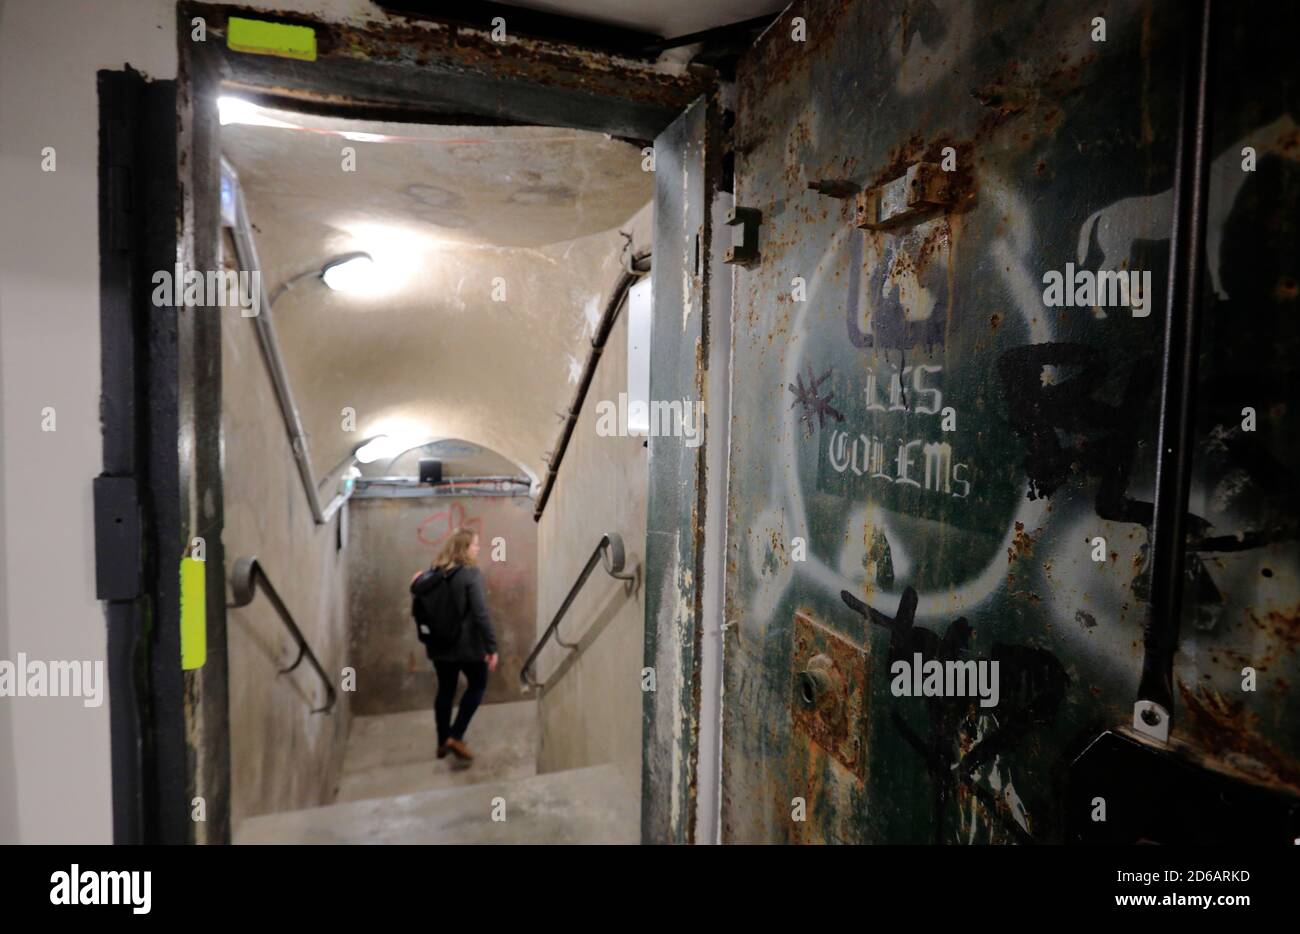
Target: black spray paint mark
(1032, 687)
(814, 404)
(1103, 440)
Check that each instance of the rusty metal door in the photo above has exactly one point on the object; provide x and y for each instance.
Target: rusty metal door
(686, 161)
(949, 362)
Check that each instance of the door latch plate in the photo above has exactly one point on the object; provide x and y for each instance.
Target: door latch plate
(828, 693)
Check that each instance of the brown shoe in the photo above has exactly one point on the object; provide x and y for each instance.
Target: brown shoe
(442, 751)
(459, 749)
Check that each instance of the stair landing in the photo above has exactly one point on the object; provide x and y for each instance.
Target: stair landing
(575, 806)
(394, 754)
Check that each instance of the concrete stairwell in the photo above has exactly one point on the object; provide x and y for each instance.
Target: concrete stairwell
(394, 790)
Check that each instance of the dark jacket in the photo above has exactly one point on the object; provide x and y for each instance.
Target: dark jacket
(476, 636)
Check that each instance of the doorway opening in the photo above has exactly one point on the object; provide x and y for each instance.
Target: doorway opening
(429, 298)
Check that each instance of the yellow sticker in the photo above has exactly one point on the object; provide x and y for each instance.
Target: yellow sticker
(262, 38)
(194, 614)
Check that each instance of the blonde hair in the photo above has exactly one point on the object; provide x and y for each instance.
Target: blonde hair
(456, 550)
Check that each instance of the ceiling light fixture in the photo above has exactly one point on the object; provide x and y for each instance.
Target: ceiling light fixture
(350, 272)
(377, 447)
(347, 272)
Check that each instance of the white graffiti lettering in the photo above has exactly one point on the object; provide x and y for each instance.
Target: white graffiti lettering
(866, 457)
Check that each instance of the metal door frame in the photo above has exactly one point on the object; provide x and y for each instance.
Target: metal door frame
(171, 731)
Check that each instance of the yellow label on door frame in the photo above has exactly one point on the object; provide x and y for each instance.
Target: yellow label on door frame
(259, 37)
(194, 614)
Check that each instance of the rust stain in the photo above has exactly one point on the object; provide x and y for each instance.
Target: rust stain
(1284, 625)
(1229, 729)
(1022, 544)
(428, 42)
(831, 716)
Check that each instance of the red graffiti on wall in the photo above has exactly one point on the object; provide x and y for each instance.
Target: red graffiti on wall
(437, 528)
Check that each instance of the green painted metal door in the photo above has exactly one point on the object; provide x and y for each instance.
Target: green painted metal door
(946, 393)
(685, 168)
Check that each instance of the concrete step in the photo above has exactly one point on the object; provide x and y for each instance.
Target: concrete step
(590, 805)
(394, 754)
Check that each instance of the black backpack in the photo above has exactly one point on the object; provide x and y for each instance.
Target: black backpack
(437, 618)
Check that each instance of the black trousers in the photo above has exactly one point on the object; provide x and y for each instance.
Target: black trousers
(448, 678)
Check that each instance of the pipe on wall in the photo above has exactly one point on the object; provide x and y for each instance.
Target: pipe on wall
(246, 253)
(638, 267)
(407, 487)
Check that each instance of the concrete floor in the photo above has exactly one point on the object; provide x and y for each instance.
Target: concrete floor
(394, 790)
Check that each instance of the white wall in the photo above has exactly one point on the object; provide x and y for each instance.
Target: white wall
(590, 712)
(56, 757)
(283, 757)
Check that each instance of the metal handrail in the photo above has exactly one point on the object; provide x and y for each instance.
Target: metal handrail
(609, 552)
(245, 576)
(636, 267)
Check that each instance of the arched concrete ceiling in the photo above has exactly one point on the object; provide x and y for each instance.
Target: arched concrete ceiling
(455, 218)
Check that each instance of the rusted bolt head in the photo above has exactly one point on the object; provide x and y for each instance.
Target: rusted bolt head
(812, 686)
(816, 682)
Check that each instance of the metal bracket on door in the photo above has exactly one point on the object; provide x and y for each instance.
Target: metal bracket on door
(1151, 719)
(118, 545)
(924, 187)
(743, 252)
